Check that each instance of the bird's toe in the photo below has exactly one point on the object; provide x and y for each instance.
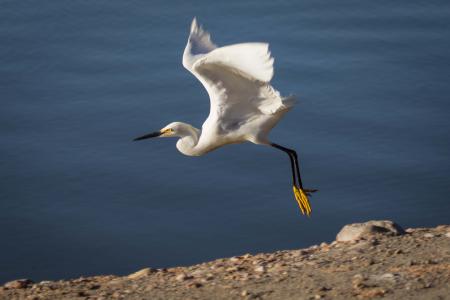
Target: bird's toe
(302, 200)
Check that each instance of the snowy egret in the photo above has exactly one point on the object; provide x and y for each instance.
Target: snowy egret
(244, 106)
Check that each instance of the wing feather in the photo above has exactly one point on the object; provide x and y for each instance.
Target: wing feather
(236, 77)
(199, 43)
(237, 99)
(251, 59)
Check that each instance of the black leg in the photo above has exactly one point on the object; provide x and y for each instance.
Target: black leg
(291, 158)
(294, 154)
(294, 163)
(299, 193)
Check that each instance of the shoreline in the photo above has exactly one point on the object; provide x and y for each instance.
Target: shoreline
(376, 259)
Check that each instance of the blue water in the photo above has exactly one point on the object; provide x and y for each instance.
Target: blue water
(80, 79)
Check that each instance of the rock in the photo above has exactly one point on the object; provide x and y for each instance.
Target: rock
(358, 281)
(182, 277)
(428, 235)
(372, 293)
(447, 234)
(298, 253)
(387, 277)
(116, 295)
(232, 269)
(82, 294)
(442, 227)
(195, 285)
(18, 284)
(94, 287)
(245, 293)
(260, 269)
(141, 273)
(357, 231)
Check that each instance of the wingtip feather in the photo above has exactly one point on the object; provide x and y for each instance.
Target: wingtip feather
(194, 24)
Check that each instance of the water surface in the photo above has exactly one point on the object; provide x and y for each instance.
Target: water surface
(79, 80)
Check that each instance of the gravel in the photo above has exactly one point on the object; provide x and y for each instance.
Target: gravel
(377, 265)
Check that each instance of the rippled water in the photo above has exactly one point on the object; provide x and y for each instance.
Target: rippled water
(80, 79)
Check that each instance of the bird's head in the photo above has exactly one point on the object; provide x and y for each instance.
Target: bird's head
(173, 129)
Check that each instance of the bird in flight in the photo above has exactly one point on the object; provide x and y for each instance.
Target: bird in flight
(244, 107)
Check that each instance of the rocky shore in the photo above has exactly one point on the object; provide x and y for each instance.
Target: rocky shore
(377, 259)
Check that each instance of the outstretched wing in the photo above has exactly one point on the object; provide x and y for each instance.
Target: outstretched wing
(236, 78)
(199, 43)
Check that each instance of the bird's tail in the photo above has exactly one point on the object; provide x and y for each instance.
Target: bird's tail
(289, 101)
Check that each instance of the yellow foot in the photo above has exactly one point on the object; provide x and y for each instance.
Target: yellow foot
(302, 199)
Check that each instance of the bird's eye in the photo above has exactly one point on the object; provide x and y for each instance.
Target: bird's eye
(168, 131)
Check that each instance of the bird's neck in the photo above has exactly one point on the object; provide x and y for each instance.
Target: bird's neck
(188, 141)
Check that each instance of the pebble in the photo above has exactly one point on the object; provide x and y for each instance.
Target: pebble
(195, 285)
(428, 235)
(94, 287)
(245, 293)
(232, 269)
(387, 277)
(182, 277)
(82, 294)
(447, 234)
(18, 284)
(358, 280)
(198, 273)
(260, 269)
(398, 251)
(234, 259)
(141, 273)
(412, 262)
(116, 295)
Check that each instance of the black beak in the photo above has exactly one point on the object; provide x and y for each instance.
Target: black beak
(147, 136)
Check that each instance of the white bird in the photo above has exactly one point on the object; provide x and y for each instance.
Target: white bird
(244, 106)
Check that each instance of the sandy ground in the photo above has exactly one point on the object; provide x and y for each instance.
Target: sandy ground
(415, 265)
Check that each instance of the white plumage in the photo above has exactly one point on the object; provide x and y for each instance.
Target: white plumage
(243, 104)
